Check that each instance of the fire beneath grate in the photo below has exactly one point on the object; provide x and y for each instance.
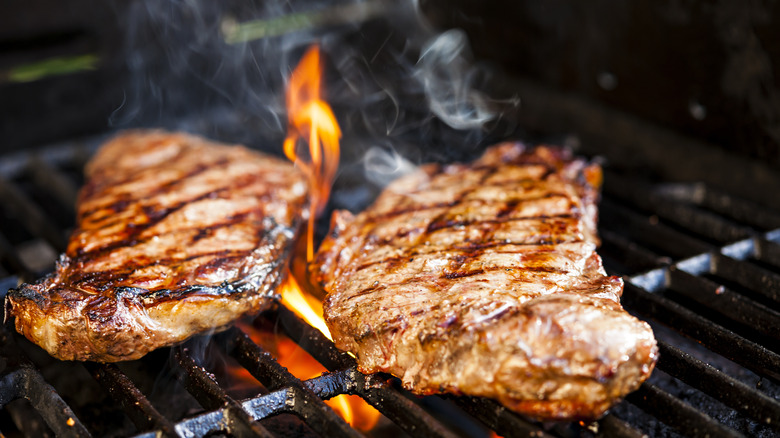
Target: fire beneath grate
(703, 266)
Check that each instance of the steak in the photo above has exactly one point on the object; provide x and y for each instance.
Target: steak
(175, 236)
(484, 280)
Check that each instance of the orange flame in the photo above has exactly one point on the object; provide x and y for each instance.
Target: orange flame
(310, 117)
(304, 305)
(311, 120)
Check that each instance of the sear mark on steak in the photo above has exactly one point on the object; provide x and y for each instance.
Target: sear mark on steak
(483, 280)
(175, 236)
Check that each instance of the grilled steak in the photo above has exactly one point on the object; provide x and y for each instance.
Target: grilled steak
(483, 280)
(175, 236)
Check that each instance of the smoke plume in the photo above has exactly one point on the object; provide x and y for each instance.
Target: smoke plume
(219, 69)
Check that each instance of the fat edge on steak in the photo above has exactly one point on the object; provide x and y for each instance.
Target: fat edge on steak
(175, 236)
(484, 280)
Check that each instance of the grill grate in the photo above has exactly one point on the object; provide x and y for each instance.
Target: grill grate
(703, 267)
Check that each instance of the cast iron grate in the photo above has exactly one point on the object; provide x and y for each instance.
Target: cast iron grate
(702, 266)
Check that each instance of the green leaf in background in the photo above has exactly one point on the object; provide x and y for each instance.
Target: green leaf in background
(234, 32)
(51, 67)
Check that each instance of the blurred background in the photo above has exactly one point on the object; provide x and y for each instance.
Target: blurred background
(704, 69)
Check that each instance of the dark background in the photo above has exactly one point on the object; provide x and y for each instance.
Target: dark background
(704, 69)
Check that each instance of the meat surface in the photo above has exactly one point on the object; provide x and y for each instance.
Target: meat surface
(483, 280)
(175, 236)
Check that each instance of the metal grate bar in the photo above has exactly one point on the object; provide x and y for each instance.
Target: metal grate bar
(629, 253)
(499, 418)
(73, 153)
(690, 217)
(26, 420)
(15, 263)
(270, 404)
(719, 385)
(208, 423)
(716, 338)
(702, 222)
(677, 414)
(313, 341)
(726, 302)
(304, 402)
(329, 385)
(210, 395)
(256, 360)
(650, 233)
(31, 215)
(739, 209)
(768, 252)
(756, 279)
(264, 406)
(393, 405)
(28, 383)
(219, 422)
(134, 402)
(51, 180)
(611, 426)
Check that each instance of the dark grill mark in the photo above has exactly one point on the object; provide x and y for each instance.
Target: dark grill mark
(384, 217)
(376, 287)
(418, 208)
(104, 280)
(459, 255)
(443, 222)
(457, 262)
(451, 223)
(508, 208)
(155, 216)
(233, 184)
(549, 170)
(452, 275)
(181, 180)
(471, 250)
(462, 274)
(203, 232)
(116, 207)
(134, 230)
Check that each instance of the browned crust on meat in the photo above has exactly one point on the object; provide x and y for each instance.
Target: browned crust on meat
(483, 279)
(176, 236)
